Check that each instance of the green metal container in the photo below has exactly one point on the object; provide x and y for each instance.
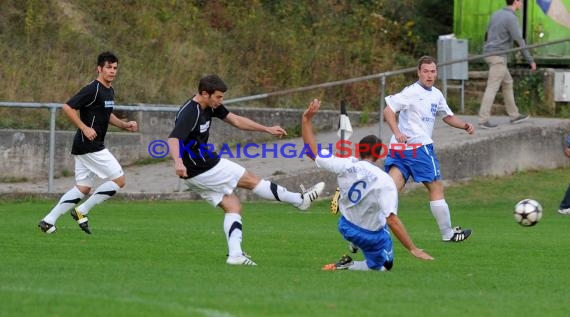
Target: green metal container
(472, 16)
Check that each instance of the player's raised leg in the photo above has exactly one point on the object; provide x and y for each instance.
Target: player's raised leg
(271, 191)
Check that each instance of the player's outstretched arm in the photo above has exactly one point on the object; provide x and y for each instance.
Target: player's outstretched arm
(247, 124)
(398, 229)
(307, 127)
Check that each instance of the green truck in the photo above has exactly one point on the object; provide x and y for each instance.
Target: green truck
(541, 21)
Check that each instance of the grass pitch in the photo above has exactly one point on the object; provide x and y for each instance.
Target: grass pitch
(168, 259)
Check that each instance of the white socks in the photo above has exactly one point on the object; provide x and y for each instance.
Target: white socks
(102, 193)
(74, 196)
(66, 202)
(233, 231)
(271, 191)
(359, 266)
(440, 212)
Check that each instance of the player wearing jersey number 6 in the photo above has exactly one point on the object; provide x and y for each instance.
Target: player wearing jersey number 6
(368, 202)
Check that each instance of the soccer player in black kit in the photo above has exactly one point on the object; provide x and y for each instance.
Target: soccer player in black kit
(91, 111)
(216, 178)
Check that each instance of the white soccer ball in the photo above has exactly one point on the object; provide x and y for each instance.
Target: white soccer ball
(528, 212)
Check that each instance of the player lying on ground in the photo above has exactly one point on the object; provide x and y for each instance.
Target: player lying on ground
(368, 202)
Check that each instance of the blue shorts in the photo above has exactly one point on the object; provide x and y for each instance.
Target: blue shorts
(421, 163)
(375, 245)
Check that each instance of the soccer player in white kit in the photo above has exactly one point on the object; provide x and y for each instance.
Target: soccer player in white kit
(418, 106)
(368, 202)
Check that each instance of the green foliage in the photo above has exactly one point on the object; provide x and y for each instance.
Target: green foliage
(529, 92)
(564, 109)
(30, 118)
(13, 179)
(294, 131)
(151, 160)
(49, 47)
(67, 173)
(257, 46)
(418, 23)
(364, 117)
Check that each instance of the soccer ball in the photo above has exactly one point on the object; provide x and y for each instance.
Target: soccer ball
(528, 212)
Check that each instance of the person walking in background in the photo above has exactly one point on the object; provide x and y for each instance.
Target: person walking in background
(565, 203)
(91, 111)
(215, 178)
(418, 106)
(368, 201)
(502, 30)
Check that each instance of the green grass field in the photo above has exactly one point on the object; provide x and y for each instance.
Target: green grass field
(168, 259)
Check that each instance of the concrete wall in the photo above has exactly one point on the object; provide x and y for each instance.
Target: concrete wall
(497, 155)
(24, 154)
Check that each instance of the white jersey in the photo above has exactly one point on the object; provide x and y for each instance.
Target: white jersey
(418, 109)
(367, 194)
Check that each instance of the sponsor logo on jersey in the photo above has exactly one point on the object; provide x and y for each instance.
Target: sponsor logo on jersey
(204, 127)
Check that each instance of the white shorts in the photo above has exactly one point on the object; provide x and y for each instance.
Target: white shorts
(100, 164)
(221, 180)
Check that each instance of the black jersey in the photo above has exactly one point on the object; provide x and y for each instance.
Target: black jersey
(95, 104)
(192, 129)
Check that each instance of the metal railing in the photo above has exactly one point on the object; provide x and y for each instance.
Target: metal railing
(53, 107)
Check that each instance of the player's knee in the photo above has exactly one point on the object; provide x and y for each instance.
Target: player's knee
(120, 181)
(249, 180)
(83, 189)
(231, 203)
